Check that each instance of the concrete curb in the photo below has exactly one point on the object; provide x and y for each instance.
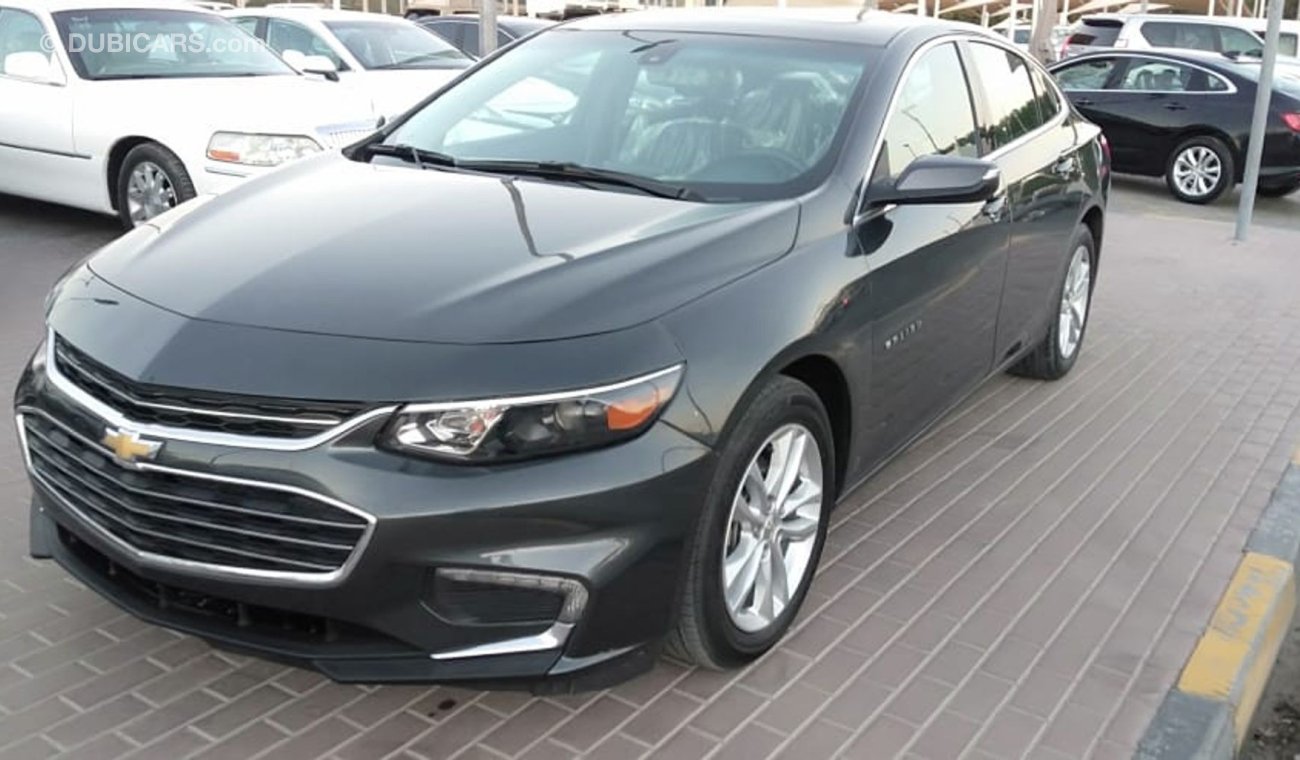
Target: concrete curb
(1208, 712)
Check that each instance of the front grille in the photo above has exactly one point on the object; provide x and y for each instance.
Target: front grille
(187, 517)
(199, 410)
(218, 615)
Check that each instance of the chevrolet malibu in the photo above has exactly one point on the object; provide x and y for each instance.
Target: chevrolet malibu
(531, 396)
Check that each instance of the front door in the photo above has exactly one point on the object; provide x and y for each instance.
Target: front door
(37, 155)
(936, 269)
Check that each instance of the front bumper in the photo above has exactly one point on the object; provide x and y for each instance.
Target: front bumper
(614, 520)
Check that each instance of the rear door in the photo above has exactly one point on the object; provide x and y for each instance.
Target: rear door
(1024, 124)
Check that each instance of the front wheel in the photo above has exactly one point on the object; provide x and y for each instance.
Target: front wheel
(758, 541)
(1052, 358)
(152, 180)
(1200, 170)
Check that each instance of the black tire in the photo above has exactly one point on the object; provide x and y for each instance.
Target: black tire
(171, 168)
(1278, 191)
(1046, 361)
(1227, 173)
(704, 633)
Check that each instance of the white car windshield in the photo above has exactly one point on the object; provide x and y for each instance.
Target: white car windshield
(384, 45)
(730, 117)
(140, 43)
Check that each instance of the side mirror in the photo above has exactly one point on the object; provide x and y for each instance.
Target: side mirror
(34, 67)
(941, 179)
(311, 64)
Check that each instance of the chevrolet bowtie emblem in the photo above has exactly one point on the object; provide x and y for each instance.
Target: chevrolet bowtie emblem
(127, 445)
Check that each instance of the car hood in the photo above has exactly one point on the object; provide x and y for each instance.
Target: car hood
(337, 247)
(274, 104)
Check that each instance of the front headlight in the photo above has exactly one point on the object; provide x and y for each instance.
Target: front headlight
(514, 428)
(259, 150)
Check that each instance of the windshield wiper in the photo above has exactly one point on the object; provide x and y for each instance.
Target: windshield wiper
(578, 173)
(411, 154)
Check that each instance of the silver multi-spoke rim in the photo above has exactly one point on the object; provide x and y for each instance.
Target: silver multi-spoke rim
(1197, 171)
(772, 528)
(1074, 302)
(149, 192)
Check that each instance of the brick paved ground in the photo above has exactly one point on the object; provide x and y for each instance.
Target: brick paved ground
(1026, 580)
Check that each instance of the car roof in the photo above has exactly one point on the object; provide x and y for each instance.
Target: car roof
(1112, 18)
(308, 13)
(841, 24)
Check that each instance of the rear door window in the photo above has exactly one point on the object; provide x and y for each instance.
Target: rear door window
(1148, 75)
(1239, 41)
(1085, 75)
(1180, 34)
(1012, 104)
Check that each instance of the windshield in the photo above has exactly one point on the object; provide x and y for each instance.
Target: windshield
(135, 43)
(382, 45)
(728, 117)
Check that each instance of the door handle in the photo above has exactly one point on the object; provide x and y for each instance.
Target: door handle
(1066, 166)
(1083, 101)
(1175, 107)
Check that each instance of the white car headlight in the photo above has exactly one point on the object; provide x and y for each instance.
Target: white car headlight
(259, 150)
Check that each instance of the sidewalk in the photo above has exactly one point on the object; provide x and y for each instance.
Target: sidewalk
(1025, 581)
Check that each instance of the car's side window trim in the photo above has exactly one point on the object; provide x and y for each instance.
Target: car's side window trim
(1128, 58)
(1052, 123)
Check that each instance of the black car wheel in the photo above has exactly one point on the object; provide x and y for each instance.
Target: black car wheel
(1278, 191)
(152, 180)
(1200, 169)
(757, 544)
(1052, 358)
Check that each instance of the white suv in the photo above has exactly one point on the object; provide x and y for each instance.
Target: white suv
(1216, 34)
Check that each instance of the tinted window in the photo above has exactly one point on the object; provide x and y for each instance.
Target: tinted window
(1013, 109)
(1240, 41)
(932, 116)
(1146, 75)
(291, 40)
(1171, 34)
(1086, 75)
(1096, 34)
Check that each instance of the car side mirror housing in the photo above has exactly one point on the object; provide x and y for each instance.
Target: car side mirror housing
(941, 179)
(311, 64)
(34, 67)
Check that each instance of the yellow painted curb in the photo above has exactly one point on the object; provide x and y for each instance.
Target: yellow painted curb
(1232, 661)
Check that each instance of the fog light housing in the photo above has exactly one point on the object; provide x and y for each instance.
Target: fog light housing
(572, 593)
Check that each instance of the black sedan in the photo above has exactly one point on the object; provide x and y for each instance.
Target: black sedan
(544, 375)
(1186, 116)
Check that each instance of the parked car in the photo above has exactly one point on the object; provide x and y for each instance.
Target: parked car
(459, 403)
(394, 62)
(1186, 116)
(183, 104)
(462, 30)
(1218, 34)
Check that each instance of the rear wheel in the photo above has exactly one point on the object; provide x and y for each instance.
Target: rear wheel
(151, 180)
(1055, 355)
(757, 544)
(1200, 169)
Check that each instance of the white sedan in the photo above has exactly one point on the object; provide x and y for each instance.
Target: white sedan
(130, 108)
(390, 59)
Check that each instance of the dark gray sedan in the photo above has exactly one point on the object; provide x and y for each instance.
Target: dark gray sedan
(575, 358)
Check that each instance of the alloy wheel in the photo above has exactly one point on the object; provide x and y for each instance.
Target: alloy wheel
(1074, 302)
(1197, 171)
(772, 528)
(149, 192)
